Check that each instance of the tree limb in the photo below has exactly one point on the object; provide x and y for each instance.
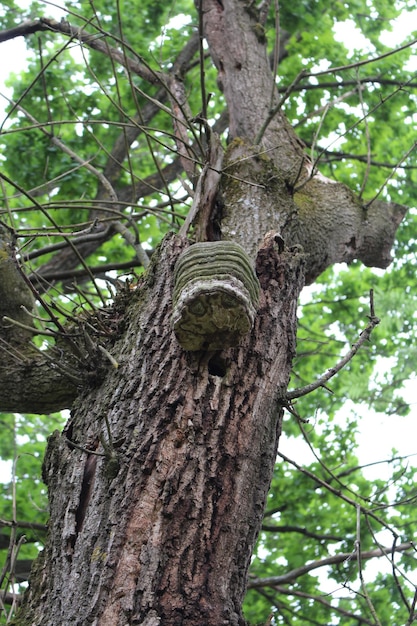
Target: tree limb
(289, 577)
(22, 30)
(298, 529)
(358, 619)
(95, 41)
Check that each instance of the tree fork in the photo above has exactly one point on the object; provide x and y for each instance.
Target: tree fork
(166, 539)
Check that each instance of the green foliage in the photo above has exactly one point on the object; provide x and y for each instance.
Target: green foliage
(75, 106)
(23, 496)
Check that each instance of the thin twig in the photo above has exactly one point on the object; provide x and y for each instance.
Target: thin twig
(21, 524)
(331, 560)
(359, 557)
(291, 591)
(321, 382)
(276, 52)
(382, 101)
(357, 64)
(386, 181)
(133, 241)
(412, 615)
(182, 114)
(272, 112)
(337, 492)
(368, 139)
(395, 573)
(31, 329)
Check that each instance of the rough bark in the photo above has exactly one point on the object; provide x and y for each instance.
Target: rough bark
(165, 535)
(237, 48)
(32, 383)
(16, 298)
(268, 186)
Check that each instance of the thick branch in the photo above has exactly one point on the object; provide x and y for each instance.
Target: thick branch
(36, 385)
(333, 226)
(96, 41)
(16, 299)
(324, 217)
(273, 186)
(239, 53)
(23, 30)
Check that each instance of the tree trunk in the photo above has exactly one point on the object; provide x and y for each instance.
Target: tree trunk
(161, 529)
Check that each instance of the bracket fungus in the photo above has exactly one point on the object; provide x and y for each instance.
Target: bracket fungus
(216, 296)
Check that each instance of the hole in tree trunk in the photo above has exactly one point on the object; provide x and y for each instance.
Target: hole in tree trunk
(217, 366)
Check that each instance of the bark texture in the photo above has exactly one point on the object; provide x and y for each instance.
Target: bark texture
(237, 48)
(32, 383)
(267, 183)
(161, 529)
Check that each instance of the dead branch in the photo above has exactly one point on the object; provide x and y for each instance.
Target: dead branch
(289, 577)
(321, 382)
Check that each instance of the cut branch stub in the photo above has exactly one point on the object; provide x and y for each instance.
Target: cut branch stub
(216, 295)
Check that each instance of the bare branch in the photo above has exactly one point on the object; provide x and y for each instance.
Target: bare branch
(358, 619)
(181, 117)
(134, 242)
(297, 529)
(359, 557)
(321, 382)
(274, 110)
(22, 524)
(348, 83)
(331, 156)
(92, 40)
(289, 577)
(336, 492)
(351, 66)
(398, 165)
(23, 30)
(206, 192)
(8, 597)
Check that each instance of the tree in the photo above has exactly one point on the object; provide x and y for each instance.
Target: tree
(126, 142)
